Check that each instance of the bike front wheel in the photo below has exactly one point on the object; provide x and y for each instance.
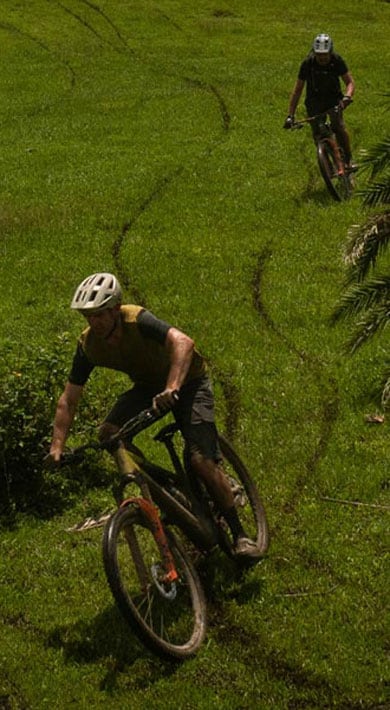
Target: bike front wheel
(339, 186)
(247, 500)
(169, 618)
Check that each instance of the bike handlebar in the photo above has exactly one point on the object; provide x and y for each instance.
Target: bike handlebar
(129, 430)
(310, 119)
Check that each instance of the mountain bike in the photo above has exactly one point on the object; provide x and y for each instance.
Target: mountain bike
(338, 178)
(149, 541)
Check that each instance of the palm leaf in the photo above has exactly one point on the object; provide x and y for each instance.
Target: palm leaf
(366, 242)
(377, 158)
(372, 295)
(376, 193)
(374, 322)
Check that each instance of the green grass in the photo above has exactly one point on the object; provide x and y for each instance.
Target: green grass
(146, 139)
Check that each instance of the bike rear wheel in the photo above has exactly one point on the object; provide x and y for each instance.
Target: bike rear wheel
(249, 506)
(169, 618)
(339, 186)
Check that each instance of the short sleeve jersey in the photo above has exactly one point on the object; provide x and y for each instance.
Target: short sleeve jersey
(323, 88)
(140, 353)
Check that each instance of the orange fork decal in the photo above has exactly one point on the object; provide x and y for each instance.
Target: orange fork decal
(151, 513)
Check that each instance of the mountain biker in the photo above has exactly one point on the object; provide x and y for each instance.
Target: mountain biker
(321, 71)
(160, 360)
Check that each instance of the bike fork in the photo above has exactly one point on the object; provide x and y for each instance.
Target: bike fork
(155, 526)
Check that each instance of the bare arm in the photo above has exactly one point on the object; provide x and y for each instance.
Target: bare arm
(349, 84)
(65, 412)
(295, 96)
(180, 349)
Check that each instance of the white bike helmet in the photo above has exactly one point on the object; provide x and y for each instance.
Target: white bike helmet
(96, 293)
(323, 44)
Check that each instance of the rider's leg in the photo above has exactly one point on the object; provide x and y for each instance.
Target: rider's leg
(195, 415)
(339, 128)
(218, 487)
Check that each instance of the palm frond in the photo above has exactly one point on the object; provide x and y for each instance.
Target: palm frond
(385, 398)
(374, 322)
(365, 243)
(371, 295)
(376, 192)
(377, 158)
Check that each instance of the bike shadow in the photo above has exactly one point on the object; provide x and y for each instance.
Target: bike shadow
(223, 579)
(106, 639)
(316, 194)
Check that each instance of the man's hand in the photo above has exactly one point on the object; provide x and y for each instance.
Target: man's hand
(164, 401)
(289, 122)
(345, 101)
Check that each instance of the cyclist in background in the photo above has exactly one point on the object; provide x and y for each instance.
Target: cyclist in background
(161, 361)
(320, 71)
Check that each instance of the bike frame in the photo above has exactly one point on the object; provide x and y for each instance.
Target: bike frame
(326, 144)
(192, 515)
(198, 526)
(330, 138)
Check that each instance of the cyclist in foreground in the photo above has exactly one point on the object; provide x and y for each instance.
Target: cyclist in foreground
(320, 71)
(161, 361)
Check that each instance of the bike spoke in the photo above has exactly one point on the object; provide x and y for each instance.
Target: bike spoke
(165, 614)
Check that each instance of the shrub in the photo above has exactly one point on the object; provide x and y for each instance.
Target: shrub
(30, 388)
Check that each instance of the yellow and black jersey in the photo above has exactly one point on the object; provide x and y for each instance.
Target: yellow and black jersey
(140, 354)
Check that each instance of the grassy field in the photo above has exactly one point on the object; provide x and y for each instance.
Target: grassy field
(146, 139)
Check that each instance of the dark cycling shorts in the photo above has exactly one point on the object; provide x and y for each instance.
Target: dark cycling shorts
(194, 414)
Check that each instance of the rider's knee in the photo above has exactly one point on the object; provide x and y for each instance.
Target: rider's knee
(205, 468)
(196, 461)
(106, 430)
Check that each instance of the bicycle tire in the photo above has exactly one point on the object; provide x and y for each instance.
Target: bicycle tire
(248, 502)
(169, 620)
(328, 168)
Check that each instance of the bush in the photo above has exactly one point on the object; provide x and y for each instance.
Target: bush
(30, 389)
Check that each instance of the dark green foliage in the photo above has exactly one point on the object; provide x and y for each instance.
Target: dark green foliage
(30, 387)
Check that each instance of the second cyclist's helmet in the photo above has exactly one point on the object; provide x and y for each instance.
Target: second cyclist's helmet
(96, 293)
(323, 44)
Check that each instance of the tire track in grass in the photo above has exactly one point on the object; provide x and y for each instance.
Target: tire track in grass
(91, 28)
(98, 9)
(231, 395)
(155, 194)
(311, 686)
(258, 303)
(223, 109)
(327, 384)
(26, 35)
